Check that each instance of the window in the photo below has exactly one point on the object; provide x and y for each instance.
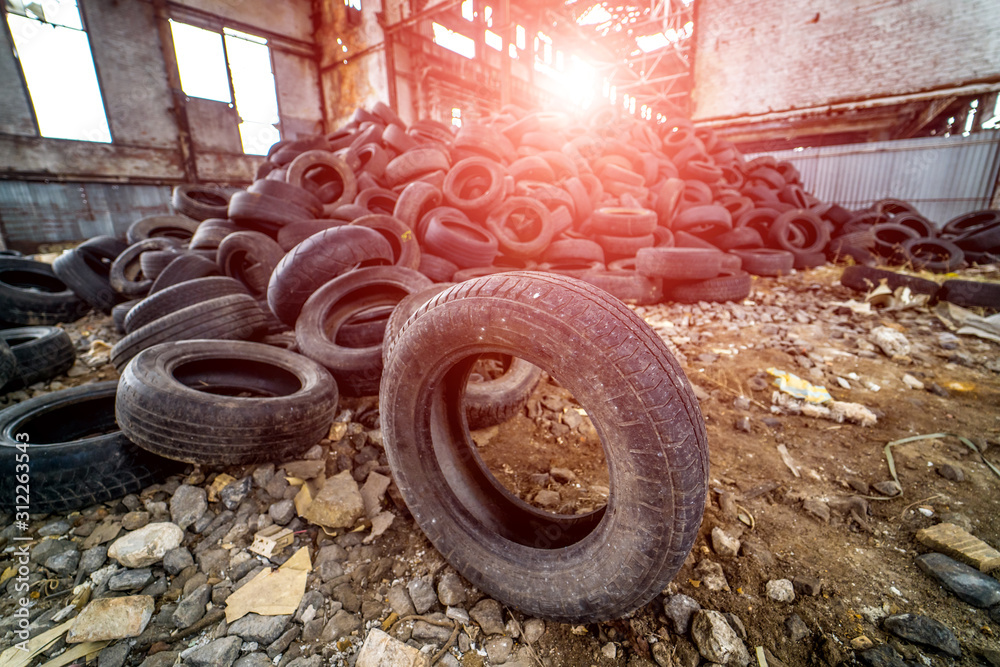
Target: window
(456, 117)
(494, 41)
(220, 67)
(54, 52)
(453, 41)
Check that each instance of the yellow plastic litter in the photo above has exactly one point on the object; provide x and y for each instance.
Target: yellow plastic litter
(799, 388)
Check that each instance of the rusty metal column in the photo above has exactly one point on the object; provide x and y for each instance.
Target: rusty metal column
(184, 141)
(507, 30)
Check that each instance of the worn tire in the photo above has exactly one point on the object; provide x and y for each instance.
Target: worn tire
(405, 248)
(126, 276)
(180, 228)
(32, 294)
(41, 353)
(735, 286)
(971, 294)
(184, 268)
(180, 296)
(250, 257)
(765, 261)
(199, 202)
(71, 467)
(187, 401)
(580, 568)
(8, 364)
(679, 263)
(120, 312)
(934, 255)
(866, 278)
(85, 269)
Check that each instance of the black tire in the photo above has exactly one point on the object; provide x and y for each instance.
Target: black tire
(491, 401)
(126, 276)
(580, 568)
(152, 262)
(971, 294)
(188, 401)
(889, 240)
(8, 364)
(866, 278)
(357, 370)
(293, 193)
(414, 201)
(733, 287)
(629, 286)
(968, 222)
(180, 296)
(621, 221)
(41, 353)
(407, 306)
(291, 235)
(264, 213)
(211, 232)
(184, 268)
(741, 237)
(32, 294)
(765, 261)
(983, 239)
(438, 269)
(180, 228)
(798, 231)
(366, 328)
(199, 202)
(474, 201)
(616, 247)
(460, 241)
(319, 168)
(250, 257)
(85, 269)
(71, 467)
(679, 263)
(583, 250)
(321, 258)
(405, 247)
(120, 312)
(934, 255)
(523, 226)
(234, 317)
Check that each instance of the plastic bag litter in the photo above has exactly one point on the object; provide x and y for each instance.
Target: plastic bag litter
(795, 386)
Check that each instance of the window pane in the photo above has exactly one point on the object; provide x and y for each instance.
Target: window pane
(58, 12)
(253, 83)
(201, 62)
(62, 82)
(258, 137)
(453, 41)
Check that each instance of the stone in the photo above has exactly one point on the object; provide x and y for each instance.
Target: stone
(342, 624)
(451, 590)
(219, 653)
(736, 624)
(662, 654)
(951, 472)
(59, 527)
(279, 645)
(421, 594)
(260, 629)
(233, 493)
(147, 545)
(743, 424)
(882, 655)
(430, 632)
(861, 643)
(563, 475)
(805, 585)
(457, 614)
(63, 563)
(111, 618)
(723, 544)
(817, 508)
(498, 649)
(780, 590)
(381, 650)
(256, 659)
(282, 512)
(534, 628)
(93, 559)
(547, 498)
(679, 609)
(113, 656)
(685, 653)
(135, 520)
(45, 549)
(711, 575)
(130, 580)
(958, 543)
(187, 505)
(489, 616)
(192, 607)
(890, 341)
(912, 382)
(310, 606)
(214, 562)
(716, 641)
(399, 601)
(176, 560)
(796, 628)
(338, 504)
(888, 488)
(372, 493)
(755, 550)
(924, 630)
(263, 474)
(966, 583)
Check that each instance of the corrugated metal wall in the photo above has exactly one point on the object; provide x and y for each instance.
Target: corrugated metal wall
(35, 213)
(942, 176)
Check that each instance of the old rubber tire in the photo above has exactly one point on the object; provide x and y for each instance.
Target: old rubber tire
(225, 403)
(8, 363)
(734, 286)
(679, 263)
(184, 268)
(867, 278)
(971, 294)
(581, 568)
(126, 276)
(180, 228)
(233, 317)
(199, 202)
(41, 353)
(934, 255)
(180, 296)
(78, 457)
(85, 270)
(120, 312)
(32, 294)
(250, 257)
(765, 261)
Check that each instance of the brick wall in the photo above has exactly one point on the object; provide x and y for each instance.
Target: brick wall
(756, 56)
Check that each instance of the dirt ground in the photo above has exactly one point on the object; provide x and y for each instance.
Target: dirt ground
(808, 514)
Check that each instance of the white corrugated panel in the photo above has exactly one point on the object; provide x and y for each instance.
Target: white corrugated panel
(942, 176)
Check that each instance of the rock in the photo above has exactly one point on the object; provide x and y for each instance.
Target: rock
(685, 654)
(59, 527)
(861, 643)
(192, 607)
(755, 550)
(45, 549)
(233, 493)
(723, 544)
(780, 590)
(111, 618)
(534, 628)
(214, 562)
(279, 645)
(488, 615)
(743, 424)
(952, 472)
(219, 653)
(716, 641)
(263, 474)
(458, 614)
(260, 629)
(63, 563)
(966, 583)
(93, 559)
(805, 585)
(162, 659)
(663, 655)
(380, 650)
(176, 560)
(310, 606)
(338, 504)
(113, 656)
(817, 508)
(498, 649)
(430, 632)
(372, 493)
(882, 655)
(253, 660)
(923, 630)
(451, 590)
(741, 403)
(912, 382)
(547, 498)
(421, 594)
(282, 512)
(888, 488)
(890, 341)
(130, 580)
(342, 624)
(796, 628)
(711, 575)
(737, 625)
(147, 545)
(679, 609)
(135, 520)
(399, 601)
(187, 505)
(563, 475)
